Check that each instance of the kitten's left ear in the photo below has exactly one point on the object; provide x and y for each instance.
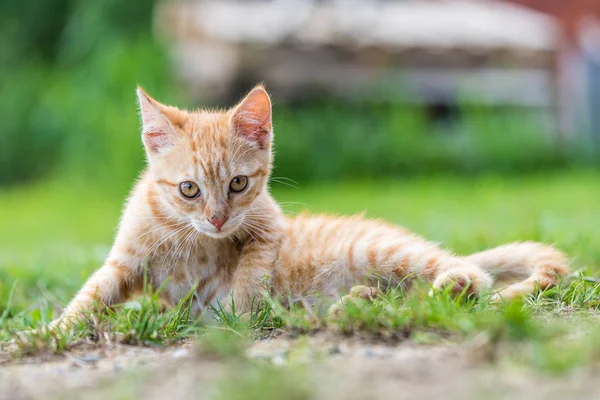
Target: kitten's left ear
(252, 117)
(157, 132)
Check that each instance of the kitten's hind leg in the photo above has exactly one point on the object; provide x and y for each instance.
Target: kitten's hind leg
(516, 290)
(525, 266)
(468, 279)
(527, 287)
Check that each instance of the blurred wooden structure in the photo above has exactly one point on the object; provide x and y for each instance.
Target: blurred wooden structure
(488, 51)
(577, 61)
(407, 49)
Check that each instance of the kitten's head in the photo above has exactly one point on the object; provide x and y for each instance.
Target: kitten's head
(208, 166)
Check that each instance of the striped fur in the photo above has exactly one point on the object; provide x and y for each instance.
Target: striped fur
(258, 247)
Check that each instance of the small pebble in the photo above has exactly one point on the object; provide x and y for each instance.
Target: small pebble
(334, 349)
(180, 353)
(89, 358)
(278, 360)
(369, 353)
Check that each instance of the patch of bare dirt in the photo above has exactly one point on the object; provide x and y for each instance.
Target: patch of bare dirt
(48, 376)
(340, 368)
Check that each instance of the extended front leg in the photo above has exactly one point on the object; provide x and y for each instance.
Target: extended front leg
(113, 283)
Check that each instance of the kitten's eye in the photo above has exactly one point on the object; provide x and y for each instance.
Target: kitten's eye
(189, 189)
(238, 183)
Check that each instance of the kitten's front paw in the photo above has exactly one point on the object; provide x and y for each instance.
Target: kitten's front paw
(468, 280)
(32, 337)
(356, 292)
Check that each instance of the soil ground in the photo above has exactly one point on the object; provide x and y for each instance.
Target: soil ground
(339, 368)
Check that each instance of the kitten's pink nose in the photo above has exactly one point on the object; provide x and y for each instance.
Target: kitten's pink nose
(218, 222)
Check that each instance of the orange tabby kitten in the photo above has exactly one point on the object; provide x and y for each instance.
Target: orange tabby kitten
(202, 214)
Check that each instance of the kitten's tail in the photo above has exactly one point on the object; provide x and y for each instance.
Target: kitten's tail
(529, 264)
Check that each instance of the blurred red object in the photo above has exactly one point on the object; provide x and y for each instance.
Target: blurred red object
(569, 13)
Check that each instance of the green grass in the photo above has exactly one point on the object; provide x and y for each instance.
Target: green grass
(54, 235)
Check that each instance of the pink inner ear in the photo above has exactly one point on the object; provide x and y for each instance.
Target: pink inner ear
(156, 141)
(156, 131)
(253, 128)
(252, 118)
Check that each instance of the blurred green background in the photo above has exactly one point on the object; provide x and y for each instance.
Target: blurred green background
(70, 150)
(67, 106)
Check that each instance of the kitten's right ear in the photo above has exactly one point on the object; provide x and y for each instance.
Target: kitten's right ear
(157, 132)
(251, 118)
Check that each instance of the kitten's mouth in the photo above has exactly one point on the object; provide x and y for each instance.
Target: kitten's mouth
(210, 230)
(218, 234)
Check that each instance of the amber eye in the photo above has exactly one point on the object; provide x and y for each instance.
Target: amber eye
(238, 184)
(189, 189)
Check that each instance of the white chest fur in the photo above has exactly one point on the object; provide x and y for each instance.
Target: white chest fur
(205, 270)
